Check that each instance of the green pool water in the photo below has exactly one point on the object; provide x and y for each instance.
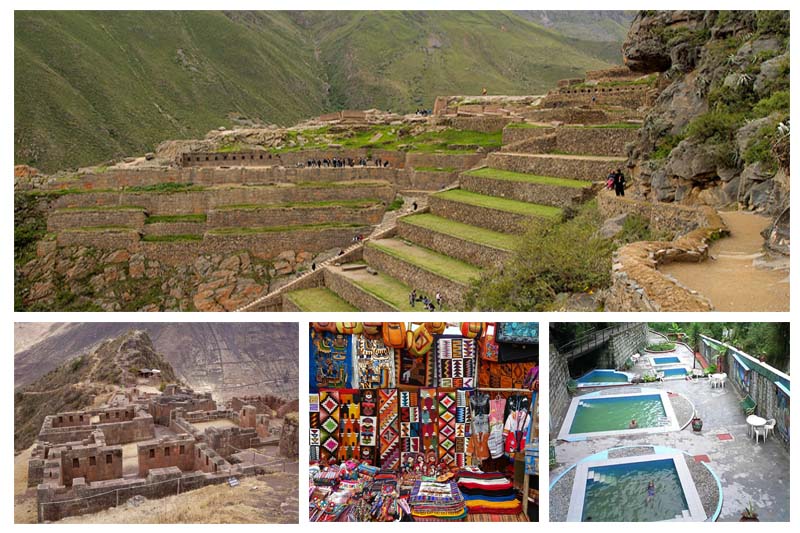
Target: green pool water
(604, 376)
(619, 493)
(614, 414)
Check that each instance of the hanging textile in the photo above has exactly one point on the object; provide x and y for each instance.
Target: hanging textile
(349, 424)
(416, 371)
(328, 424)
(369, 426)
(330, 364)
(518, 418)
(455, 360)
(389, 423)
(503, 375)
(374, 364)
(463, 422)
(447, 427)
(478, 446)
(409, 427)
(428, 418)
(313, 426)
(497, 409)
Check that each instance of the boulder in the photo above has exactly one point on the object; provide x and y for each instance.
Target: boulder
(613, 226)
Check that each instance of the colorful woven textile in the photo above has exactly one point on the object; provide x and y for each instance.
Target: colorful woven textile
(447, 427)
(428, 424)
(328, 423)
(416, 371)
(488, 493)
(409, 426)
(389, 428)
(330, 364)
(374, 364)
(455, 362)
(518, 332)
(313, 427)
(349, 424)
(369, 426)
(503, 375)
(462, 426)
(438, 500)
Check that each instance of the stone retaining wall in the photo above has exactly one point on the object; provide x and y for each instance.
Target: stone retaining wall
(452, 291)
(553, 195)
(637, 285)
(270, 244)
(175, 228)
(198, 202)
(288, 159)
(560, 167)
(671, 217)
(287, 216)
(493, 219)
(354, 294)
(470, 252)
(60, 220)
(559, 394)
(626, 343)
(431, 180)
(634, 96)
(105, 240)
(596, 141)
(483, 123)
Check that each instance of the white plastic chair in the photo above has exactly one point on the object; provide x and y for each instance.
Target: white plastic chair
(760, 431)
(769, 427)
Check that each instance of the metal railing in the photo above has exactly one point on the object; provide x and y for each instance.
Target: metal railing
(592, 340)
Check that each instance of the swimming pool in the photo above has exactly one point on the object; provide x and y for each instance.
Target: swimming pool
(666, 360)
(600, 414)
(615, 490)
(674, 372)
(602, 378)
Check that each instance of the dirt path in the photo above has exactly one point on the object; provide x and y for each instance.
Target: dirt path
(729, 277)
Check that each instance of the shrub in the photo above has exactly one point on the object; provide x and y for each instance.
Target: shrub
(661, 347)
(777, 101)
(715, 126)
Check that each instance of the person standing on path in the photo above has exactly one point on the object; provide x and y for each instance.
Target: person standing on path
(412, 298)
(619, 183)
(439, 300)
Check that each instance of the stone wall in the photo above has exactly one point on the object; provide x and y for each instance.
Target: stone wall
(613, 73)
(452, 291)
(354, 294)
(198, 202)
(559, 394)
(289, 440)
(484, 123)
(395, 158)
(435, 160)
(568, 115)
(65, 219)
(632, 96)
(493, 219)
(166, 452)
(571, 140)
(623, 345)
(140, 428)
(93, 463)
(637, 285)
(422, 180)
(661, 217)
(158, 229)
(556, 166)
(103, 239)
(289, 216)
(538, 193)
(467, 251)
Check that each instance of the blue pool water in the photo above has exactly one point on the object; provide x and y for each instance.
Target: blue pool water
(665, 360)
(616, 413)
(674, 372)
(603, 376)
(618, 493)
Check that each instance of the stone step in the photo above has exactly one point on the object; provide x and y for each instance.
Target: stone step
(491, 212)
(317, 299)
(576, 167)
(423, 269)
(477, 246)
(544, 190)
(368, 292)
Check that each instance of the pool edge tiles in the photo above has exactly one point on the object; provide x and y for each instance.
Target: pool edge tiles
(577, 499)
(564, 432)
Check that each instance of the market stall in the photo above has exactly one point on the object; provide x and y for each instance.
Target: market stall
(424, 422)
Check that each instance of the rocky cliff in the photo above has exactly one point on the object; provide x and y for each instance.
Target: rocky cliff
(718, 133)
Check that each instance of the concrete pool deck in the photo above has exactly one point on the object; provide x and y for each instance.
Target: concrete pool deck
(747, 471)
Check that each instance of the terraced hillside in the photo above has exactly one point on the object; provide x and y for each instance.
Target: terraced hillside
(542, 173)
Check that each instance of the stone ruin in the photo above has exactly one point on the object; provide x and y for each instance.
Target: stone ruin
(154, 445)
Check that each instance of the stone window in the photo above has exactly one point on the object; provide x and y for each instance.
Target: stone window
(80, 418)
(109, 459)
(182, 450)
(70, 418)
(261, 156)
(152, 453)
(206, 460)
(60, 419)
(116, 414)
(166, 452)
(92, 461)
(76, 463)
(215, 467)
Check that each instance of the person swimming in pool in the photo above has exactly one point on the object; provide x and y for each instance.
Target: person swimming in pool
(633, 424)
(651, 491)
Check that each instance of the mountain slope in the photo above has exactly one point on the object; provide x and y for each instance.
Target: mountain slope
(227, 359)
(96, 85)
(77, 383)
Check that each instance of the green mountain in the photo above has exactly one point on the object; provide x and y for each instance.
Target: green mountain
(90, 86)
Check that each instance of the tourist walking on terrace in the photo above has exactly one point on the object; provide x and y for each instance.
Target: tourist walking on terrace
(412, 298)
(438, 299)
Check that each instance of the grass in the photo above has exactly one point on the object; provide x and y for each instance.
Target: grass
(464, 231)
(319, 299)
(661, 347)
(354, 204)
(198, 218)
(385, 288)
(501, 204)
(185, 237)
(494, 173)
(98, 229)
(525, 125)
(333, 184)
(276, 229)
(439, 264)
